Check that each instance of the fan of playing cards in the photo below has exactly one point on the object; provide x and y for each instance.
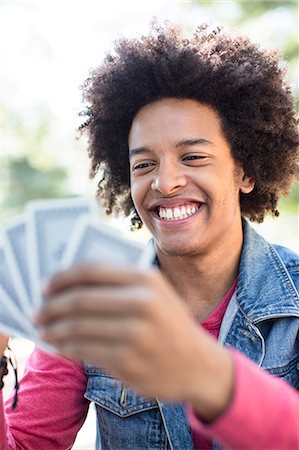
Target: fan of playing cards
(53, 235)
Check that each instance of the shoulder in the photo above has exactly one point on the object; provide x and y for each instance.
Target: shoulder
(290, 259)
(268, 281)
(260, 259)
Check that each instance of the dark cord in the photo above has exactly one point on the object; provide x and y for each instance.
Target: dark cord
(4, 371)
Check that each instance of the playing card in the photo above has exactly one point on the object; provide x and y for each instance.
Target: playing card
(49, 225)
(54, 234)
(12, 316)
(12, 322)
(7, 284)
(98, 242)
(15, 251)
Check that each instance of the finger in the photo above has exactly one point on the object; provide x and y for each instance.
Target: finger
(100, 329)
(122, 363)
(92, 273)
(106, 355)
(117, 301)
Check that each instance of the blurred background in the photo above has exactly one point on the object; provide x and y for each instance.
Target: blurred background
(48, 48)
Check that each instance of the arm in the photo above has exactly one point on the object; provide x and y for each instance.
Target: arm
(263, 413)
(135, 324)
(51, 407)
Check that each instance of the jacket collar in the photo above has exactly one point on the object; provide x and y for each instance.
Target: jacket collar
(265, 288)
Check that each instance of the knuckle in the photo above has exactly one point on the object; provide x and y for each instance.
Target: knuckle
(72, 327)
(148, 308)
(75, 300)
(136, 334)
(133, 333)
(143, 305)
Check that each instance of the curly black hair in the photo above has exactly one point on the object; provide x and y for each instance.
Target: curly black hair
(243, 83)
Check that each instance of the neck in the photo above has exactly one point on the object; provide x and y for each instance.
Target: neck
(202, 280)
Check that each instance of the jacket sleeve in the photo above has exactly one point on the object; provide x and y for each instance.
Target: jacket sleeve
(264, 412)
(51, 407)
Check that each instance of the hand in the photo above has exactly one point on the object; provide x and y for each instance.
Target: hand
(133, 323)
(3, 343)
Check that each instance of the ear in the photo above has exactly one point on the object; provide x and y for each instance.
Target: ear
(247, 184)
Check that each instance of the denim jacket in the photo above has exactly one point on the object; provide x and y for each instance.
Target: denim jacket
(262, 317)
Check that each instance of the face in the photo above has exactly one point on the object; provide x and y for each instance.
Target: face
(185, 183)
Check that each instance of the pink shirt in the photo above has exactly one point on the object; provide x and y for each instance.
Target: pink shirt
(253, 421)
(52, 407)
(212, 324)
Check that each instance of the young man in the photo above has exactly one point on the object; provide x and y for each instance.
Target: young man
(192, 137)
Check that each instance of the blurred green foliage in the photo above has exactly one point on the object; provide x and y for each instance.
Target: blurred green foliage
(30, 171)
(27, 183)
(290, 204)
(253, 8)
(250, 14)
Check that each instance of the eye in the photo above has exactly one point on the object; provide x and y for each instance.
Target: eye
(144, 166)
(193, 157)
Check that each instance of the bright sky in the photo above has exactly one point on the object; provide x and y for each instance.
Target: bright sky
(50, 45)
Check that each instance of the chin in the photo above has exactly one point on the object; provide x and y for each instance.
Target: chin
(178, 249)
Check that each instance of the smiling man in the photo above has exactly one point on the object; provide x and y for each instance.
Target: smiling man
(193, 137)
(186, 185)
(185, 174)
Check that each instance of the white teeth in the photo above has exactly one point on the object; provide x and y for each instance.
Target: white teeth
(177, 213)
(169, 213)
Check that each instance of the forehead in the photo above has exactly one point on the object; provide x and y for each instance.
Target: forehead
(173, 119)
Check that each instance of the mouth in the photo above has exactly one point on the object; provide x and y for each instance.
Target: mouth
(177, 212)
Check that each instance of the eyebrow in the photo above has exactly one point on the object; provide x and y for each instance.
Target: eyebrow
(183, 143)
(188, 142)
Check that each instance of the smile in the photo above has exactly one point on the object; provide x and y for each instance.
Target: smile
(177, 213)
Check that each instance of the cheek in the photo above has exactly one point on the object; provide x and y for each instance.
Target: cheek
(137, 193)
(134, 195)
(141, 195)
(228, 197)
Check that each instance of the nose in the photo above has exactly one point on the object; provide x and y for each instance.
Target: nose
(168, 180)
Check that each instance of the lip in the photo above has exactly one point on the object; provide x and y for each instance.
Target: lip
(173, 202)
(178, 222)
